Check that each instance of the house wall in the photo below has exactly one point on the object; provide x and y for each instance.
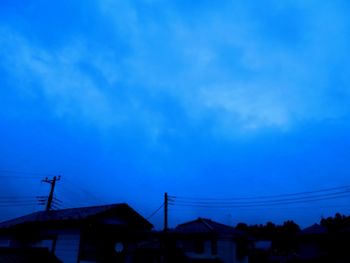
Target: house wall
(67, 246)
(63, 243)
(227, 252)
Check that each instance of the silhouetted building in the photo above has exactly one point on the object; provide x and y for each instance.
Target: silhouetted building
(204, 240)
(108, 233)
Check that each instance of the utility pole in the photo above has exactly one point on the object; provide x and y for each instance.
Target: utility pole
(166, 211)
(52, 182)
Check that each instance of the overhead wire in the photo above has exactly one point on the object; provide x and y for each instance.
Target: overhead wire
(268, 204)
(266, 196)
(280, 200)
(82, 190)
(270, 200)
(23, 173)
(73, 188)
(19, 177)
(155, 212)
(71, 197)
(18, 205)
(17, 197)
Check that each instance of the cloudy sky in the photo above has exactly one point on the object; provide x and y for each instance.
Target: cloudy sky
(130, 99)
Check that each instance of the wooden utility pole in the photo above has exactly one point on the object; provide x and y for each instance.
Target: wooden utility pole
(166, 211)
(52, 182)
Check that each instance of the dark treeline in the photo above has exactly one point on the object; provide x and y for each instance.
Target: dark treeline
(282, 236)
(269, 230)
(325, 241)
(338, 222)
(289, 227)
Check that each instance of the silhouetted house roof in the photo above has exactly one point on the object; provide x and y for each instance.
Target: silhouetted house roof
(27, 255)
(207, 226)
(315, 229)
(122, 215)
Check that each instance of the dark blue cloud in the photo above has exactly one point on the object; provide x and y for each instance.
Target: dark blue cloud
(131, 99)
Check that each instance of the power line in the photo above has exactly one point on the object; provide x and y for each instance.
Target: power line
(19, 177)
(18, 205)
(56, 200)
(69, 204)
(269, 200)
(32, 174)
(76, 197)
(17, 201)
(155, 212)
(190, 208)
(73, 195)
(266, 196)
(282, 200)
(83, 190)
(262, 204)
(16, 198)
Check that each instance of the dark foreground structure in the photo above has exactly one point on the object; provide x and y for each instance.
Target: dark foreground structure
(314, 244)
(109, 233)
(117, 233)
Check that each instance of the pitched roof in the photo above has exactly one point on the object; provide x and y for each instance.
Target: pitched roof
(206, 226)
(78, 214)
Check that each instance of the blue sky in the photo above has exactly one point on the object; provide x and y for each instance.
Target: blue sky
(129, 99)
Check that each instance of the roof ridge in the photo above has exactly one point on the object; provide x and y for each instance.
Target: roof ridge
(50, 215)
(85, 207)
(204, 221)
